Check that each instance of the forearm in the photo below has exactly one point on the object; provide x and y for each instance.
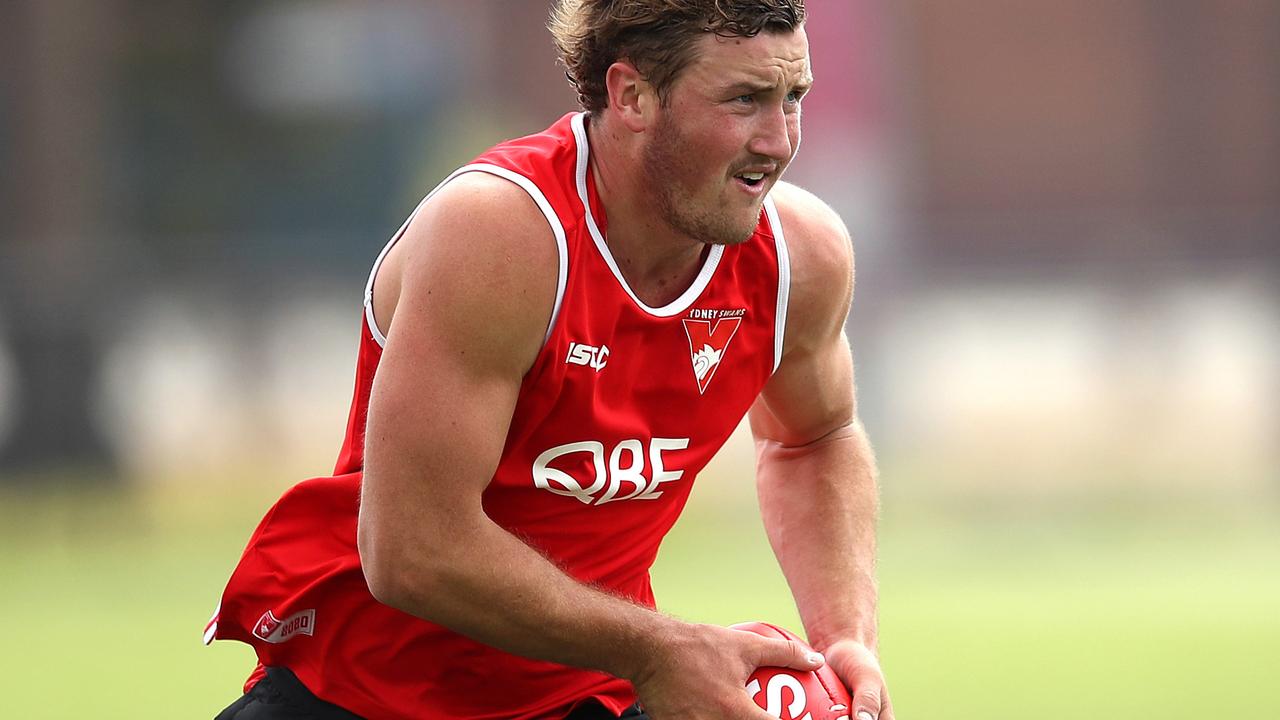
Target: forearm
(479, 580)
(820, 503)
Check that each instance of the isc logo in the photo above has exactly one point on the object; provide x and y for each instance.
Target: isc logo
(622, 478)
(593, 357)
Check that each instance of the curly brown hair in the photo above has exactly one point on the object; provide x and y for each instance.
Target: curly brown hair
(656, 36)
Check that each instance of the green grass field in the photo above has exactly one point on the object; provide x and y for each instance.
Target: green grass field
(1015, 614)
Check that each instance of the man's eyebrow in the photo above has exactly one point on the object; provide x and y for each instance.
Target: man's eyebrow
(749, 86)
(754, 86)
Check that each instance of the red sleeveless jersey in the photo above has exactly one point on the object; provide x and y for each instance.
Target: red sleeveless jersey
(623, 406)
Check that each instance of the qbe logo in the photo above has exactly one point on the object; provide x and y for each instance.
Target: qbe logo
(619, 474)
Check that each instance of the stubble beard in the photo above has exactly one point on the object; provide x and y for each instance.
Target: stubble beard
(668, 160)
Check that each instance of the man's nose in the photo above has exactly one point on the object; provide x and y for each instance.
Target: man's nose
(773, 136)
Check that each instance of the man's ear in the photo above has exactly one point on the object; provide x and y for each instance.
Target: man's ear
(631, 98)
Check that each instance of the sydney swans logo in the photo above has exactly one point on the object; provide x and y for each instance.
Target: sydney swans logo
(704, 361)
(709, 333)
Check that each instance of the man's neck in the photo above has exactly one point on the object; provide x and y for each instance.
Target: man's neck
(658, 262)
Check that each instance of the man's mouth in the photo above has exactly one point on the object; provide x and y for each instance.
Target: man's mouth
(755, 177)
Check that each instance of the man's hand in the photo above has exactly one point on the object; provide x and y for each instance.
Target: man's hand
(858, 667)
(701, 674)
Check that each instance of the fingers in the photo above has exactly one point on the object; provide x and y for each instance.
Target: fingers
(788, 654)
(859, 670)
(886, 708)
(866, 704)
(865, 708)
(870, 701)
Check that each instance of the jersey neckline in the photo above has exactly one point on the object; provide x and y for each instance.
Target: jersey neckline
(687, 298)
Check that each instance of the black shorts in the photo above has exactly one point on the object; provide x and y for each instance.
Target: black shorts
(281, 696)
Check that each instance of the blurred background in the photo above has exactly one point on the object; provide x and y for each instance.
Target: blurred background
(1066, 326)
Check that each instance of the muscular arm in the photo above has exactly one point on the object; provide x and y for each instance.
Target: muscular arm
(472, 287)
(816, 476)
(476, 285)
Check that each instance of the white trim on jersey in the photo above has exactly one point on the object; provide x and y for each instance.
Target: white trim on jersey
(675, 307)
(562, 248)
(211, 628)
(784, 280)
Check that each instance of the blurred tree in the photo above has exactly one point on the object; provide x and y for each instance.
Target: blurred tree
(1096, 133)
(192, 145)
(51, 284)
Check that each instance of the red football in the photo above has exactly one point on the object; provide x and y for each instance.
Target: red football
(792, 694)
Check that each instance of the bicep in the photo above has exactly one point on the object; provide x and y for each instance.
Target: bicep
(810, 395)
(812, 392)
(438, 413)
(476, 291)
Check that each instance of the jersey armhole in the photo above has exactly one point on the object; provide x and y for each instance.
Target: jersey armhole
(784, 281)
(557, 229)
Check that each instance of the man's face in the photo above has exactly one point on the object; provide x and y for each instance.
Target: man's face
(730, 127)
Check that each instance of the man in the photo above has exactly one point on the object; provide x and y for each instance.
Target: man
(563, 334)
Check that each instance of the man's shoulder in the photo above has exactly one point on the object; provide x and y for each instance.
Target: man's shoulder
(821, 250)
(484, 219)
(813, 229)
(479, 250)
(484, 200)
(821, 254)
